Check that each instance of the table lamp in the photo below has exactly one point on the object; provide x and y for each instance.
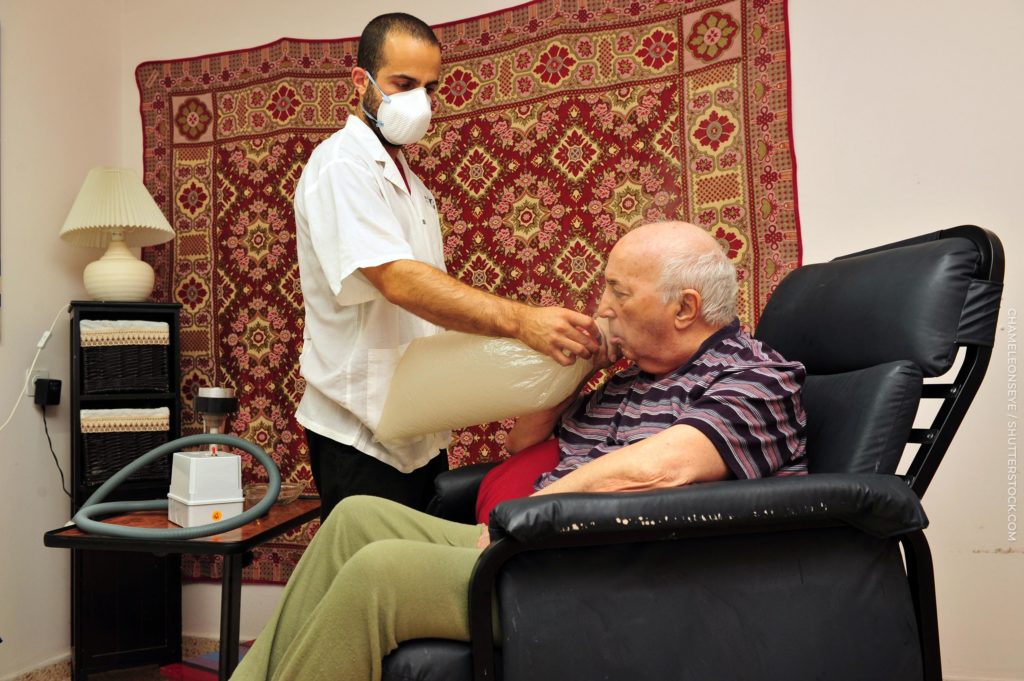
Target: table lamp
(113, 210)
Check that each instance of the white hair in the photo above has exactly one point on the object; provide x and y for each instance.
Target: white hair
(711, 274)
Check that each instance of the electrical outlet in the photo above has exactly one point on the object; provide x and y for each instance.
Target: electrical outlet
(30, 390)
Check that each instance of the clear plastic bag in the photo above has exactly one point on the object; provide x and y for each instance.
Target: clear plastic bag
(471, 380)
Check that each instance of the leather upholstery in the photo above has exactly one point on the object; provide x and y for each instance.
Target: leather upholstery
(429, 659)
(880, 505)
(711, 608)
(859, 421)
(919, 289)
(455, 492)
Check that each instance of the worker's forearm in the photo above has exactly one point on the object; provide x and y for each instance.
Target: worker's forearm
(561, 334)
(433, 295)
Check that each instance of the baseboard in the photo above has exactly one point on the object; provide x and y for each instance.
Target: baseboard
(193, 646)
(57, 669)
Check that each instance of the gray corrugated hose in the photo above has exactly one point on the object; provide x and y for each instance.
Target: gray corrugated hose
(83, 519)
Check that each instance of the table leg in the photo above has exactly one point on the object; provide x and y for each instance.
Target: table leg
(230, 614)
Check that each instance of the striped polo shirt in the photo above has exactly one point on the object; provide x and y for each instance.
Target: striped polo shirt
(737, 391)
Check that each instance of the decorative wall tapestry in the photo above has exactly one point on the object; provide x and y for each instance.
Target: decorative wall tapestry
(559, 126)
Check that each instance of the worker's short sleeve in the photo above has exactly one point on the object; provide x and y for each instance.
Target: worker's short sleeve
(351, 226)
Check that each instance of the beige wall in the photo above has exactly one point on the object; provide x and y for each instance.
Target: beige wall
(904, 117)
(906, 121)
(59, 95)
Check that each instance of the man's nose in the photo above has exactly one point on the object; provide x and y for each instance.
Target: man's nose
(604, 308)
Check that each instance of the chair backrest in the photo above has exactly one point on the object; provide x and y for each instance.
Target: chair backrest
(859, 421)
(869, 326)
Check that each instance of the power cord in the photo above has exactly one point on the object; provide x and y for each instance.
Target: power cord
(28, 374)
(63, 486)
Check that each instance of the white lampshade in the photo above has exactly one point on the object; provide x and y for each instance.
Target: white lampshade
(114, 210)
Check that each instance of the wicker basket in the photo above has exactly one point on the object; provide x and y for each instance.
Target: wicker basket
(113, 438)
(124, 368)
(124, 356)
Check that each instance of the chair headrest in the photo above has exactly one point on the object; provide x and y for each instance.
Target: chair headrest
(911, 302)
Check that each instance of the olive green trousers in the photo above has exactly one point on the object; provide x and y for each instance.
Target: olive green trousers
(376, 574)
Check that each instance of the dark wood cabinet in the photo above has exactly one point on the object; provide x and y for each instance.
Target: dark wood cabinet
(125, 606)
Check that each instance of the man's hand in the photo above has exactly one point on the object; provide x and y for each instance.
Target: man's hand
(485, 539)
(561, 334)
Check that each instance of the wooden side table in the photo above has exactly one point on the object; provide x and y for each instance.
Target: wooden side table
(236, 547)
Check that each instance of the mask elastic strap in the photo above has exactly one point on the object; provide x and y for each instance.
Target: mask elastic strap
(384, 98)
(369, 115)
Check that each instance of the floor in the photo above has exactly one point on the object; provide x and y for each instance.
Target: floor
(62, 672)
(149, 673)
(190, 646)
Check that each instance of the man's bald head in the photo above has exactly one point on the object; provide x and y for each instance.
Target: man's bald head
(661, 240)
(687, 257)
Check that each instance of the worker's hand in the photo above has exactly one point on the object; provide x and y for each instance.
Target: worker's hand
(485, 539)
(561, 334)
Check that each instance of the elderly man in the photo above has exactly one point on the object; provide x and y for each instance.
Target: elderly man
(702, 401)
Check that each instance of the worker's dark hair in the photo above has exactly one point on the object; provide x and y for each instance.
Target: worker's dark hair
(371, 43)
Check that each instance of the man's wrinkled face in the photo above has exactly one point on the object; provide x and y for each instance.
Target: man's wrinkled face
(640, 323)
(408, 63)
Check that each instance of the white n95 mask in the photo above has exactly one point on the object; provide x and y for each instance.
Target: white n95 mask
(402, 118)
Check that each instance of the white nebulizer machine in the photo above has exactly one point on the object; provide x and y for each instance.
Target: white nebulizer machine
(205, 497)
(206, 485)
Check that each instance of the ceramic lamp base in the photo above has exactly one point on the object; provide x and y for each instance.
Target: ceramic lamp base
(119, 275)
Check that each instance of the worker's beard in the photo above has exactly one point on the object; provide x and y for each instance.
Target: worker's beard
(371, 103)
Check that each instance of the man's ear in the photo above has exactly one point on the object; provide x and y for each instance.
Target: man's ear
(359, 80)
(688, 308)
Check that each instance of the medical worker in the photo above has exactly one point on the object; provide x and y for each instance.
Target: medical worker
(373, 277)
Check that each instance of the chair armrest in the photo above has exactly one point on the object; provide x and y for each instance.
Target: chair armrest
(881, 505)
(455, 492)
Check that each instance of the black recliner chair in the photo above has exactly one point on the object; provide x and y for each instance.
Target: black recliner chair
(786, 578)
